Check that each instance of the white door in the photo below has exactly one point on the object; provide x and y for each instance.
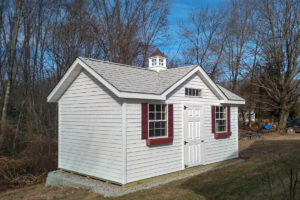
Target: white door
(192, 135)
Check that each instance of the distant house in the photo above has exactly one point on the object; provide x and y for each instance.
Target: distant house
(124, 123)
(246, 116)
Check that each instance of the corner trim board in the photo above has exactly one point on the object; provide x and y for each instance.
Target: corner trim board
(124, 142)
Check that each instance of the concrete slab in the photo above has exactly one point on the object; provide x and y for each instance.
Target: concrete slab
(66, 179)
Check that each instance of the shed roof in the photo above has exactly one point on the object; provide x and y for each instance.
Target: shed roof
(126, 78)
(230, 95)
(127, 81)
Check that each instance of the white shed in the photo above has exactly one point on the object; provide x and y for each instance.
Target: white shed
(124, 123)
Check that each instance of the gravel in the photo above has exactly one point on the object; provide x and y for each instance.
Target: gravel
(65, 179)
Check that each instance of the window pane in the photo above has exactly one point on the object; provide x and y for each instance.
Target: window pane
(164, 108)
(151, 133)
(186, 91)
(221, 115)
(161, 61)
(199, 93)
(194, 92)
(190, 91)
(221, 109)
(157, 125)
(151, 125)
(157, 132)
(151, 107)
(217, 109)
(163, 132)
(164, 115)
(151, 116)
(217, 116)
(158, 116)
(158, 107)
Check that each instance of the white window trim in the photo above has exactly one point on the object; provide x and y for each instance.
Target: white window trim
(154, 62)
(166, 120)
(162, 61)
(226, 118)
(193, 89)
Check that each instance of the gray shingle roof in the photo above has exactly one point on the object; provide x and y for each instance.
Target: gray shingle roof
(126, 78)
(229, 94)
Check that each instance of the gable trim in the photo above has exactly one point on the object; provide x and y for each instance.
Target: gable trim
(207, 81)
(63, 84)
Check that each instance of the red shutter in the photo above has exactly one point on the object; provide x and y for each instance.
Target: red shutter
(170, 120)
(213, 119)
(228, 119)
(144, 121)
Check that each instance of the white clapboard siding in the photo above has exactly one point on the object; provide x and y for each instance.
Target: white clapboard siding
(145, 162)
(223, 149)
(90, 121)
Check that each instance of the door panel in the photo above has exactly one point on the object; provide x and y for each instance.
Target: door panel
(192, 135)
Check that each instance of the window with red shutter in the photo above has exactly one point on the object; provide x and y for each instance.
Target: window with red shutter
(157, 123)
(221, 121)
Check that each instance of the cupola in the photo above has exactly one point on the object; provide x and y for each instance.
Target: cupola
(157, 61)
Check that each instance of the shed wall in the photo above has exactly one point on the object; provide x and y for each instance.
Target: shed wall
(145, 162)
(90, 129)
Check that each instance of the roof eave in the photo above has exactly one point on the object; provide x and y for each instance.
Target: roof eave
(232, 102)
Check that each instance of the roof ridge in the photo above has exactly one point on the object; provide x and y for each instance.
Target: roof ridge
(114, 63)
(182, 67)
(131, 66)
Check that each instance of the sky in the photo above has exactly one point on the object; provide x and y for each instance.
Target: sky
(179, 12)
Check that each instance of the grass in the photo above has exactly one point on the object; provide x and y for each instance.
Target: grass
(265, 174)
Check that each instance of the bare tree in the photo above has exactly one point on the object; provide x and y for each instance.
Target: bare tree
(278, 26)
(11, 45)
(239, 32)
(125, 30)
(204, 39)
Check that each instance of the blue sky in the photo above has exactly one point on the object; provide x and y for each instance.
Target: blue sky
(179, 11)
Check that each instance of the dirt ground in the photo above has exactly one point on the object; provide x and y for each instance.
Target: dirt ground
(40, 192)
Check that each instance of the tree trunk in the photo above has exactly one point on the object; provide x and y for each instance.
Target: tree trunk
(4, 113)
(283, 116)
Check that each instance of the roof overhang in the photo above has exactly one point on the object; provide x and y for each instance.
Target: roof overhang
(232, 102)
(78, 65)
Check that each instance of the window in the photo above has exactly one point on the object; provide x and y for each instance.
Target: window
(158, 117)
(221, 119)
(153, 62)
(161, 62)
(193, 92)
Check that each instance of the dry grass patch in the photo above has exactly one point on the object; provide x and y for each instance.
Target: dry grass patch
(265, 174)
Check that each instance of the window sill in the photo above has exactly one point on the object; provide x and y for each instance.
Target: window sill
(158, 141)
(222, 135)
